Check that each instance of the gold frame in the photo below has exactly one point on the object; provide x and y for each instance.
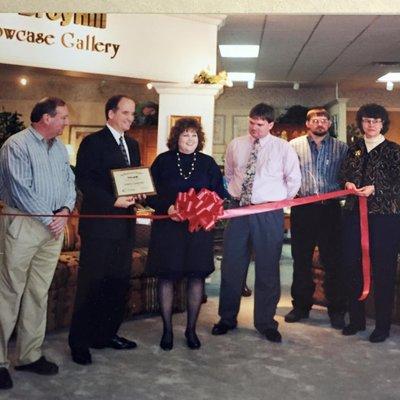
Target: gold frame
(76, 134)
(174, 118)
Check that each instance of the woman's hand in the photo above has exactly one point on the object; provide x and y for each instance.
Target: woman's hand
(171, 211)
(366, 191)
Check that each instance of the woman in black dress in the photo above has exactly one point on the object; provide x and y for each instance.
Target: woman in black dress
(372, 168)
(174, 252)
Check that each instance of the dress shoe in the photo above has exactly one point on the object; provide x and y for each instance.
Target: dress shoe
(221, 328)
(116, 343)
(296, 315)
(167, 341)
(5, 379)
(246, 291)
(41, 367)
(192, 340)
(337, 320)
(378, 336)
(81, 356)
(273, 335)
(352, 329)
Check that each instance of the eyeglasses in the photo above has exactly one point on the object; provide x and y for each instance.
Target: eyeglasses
(322, 121)
(371, 121)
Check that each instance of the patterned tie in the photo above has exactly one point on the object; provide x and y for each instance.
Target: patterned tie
(247, 186)
(123, 151)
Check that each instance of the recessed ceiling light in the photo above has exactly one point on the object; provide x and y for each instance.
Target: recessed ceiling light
(239, 51)
(389, 86)
(241, 76)
(149, 86)
(23, 81)
(390, 77)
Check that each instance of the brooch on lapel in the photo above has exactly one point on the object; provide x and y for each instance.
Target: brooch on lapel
(357, 153)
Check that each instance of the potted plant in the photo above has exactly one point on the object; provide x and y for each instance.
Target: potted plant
(10, 123)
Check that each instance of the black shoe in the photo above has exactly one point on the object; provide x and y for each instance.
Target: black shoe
(41, 367)
(221, 328)
(192, 340)
(337, 320)
(352, 329)
(246, 291)
(273, 335)
(5, 379)
(167, 341)
(378, 336)
(81, 356)
(116, 343)
(296, 315)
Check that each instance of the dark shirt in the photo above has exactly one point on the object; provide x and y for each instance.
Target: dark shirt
(381, 168)
(169, 182)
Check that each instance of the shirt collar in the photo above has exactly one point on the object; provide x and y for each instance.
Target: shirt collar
(263, 140)
(39, 137)
(324, 140)
(115, 133)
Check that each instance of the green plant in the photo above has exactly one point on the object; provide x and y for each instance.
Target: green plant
(10, 123)
(353, 133)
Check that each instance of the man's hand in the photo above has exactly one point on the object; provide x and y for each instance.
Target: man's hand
(350, 186)
(58, 223)
(124, 201)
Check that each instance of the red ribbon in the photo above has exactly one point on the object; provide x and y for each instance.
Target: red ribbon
(201, 210)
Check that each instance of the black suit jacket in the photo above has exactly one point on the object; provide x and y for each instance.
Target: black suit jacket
(97, 155)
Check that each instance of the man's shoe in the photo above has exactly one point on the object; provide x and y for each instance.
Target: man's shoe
(221, 328)
(81, 356)
(352, 329)
(378, 336)
(273, 335)
(296, 315)
(41, 367)
(246, 291)
(5, 379)
(117, 343)
(337, 320)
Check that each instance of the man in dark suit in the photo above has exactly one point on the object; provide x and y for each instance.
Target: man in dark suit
(106, 244)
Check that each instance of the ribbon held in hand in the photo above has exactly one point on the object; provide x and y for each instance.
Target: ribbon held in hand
(201, 210)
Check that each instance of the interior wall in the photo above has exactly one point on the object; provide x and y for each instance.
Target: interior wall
(85, 98)
(238, 100)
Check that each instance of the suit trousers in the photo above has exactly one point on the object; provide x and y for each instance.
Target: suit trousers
(317, 224)
(28, 259)
(384, 240)
(262, 234)
(103, 281)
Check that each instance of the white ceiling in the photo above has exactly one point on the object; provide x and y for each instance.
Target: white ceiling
(314, 50)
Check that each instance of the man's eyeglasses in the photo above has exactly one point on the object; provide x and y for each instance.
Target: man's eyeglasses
(322, 121)
(371, 121)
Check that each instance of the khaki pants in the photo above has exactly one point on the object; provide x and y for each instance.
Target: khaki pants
(28, 258)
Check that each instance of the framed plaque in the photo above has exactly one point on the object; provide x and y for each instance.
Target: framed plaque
(132, 181)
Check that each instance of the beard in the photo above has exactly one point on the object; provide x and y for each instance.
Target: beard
(319, 133)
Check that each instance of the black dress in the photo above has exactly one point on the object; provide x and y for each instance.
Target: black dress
(174, 252)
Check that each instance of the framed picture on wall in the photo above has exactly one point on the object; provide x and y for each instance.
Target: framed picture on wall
(76, 135)
(219, 129)
(240, 125)
(174, 118)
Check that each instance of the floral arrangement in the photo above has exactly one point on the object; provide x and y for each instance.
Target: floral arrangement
(206, 77)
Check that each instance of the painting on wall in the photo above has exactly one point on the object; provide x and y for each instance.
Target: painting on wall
(240, 125)
(76, 135)
(219, 129)
(174, 118)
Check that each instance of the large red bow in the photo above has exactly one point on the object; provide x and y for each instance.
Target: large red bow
(201, 210)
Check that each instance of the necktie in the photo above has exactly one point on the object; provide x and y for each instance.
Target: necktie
(247, 186)
(123, 151)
